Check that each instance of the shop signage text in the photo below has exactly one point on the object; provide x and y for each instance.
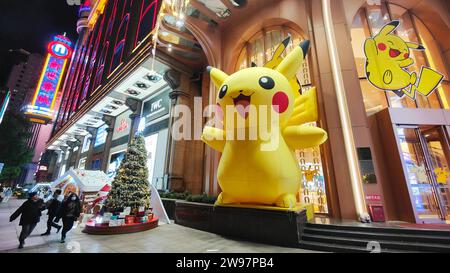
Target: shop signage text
(373, 197)
(41, 108)
(156, 107)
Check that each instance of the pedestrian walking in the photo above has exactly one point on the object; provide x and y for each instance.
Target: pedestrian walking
(69, 213)
(53, 206)
(30, 215)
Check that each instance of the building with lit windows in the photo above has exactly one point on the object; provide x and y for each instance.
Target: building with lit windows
(135, 60)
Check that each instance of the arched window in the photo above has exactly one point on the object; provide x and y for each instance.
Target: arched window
(368, 22)
(261, 47)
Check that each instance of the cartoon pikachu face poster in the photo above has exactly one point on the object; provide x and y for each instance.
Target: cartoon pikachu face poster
(388, 59)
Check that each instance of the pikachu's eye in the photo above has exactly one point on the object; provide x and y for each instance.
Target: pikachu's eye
(223, 91)
(267, 83)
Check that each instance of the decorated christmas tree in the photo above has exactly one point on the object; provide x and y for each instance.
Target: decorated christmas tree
(130, 187)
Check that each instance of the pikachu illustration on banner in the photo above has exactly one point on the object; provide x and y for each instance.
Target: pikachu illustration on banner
(388, 58)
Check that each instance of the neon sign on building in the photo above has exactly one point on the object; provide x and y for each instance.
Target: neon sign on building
(42, 107)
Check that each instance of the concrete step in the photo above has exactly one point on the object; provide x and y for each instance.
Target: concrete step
(392, 245)
(373, 236)
(326, 247)
(345, 238)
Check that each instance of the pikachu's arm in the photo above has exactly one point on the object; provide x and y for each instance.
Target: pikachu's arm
(305, 108)
(214, 138)
(406, 63)
(302, 137)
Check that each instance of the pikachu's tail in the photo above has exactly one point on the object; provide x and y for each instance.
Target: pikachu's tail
(428, 81)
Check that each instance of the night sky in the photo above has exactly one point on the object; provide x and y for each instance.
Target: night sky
(31, 24)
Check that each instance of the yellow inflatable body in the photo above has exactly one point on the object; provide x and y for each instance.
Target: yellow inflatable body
(388, 57)
(249, 174)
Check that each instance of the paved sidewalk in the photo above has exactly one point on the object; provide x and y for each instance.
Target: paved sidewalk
(164, 239)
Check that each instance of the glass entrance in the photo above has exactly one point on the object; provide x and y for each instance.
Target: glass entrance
(425, 154)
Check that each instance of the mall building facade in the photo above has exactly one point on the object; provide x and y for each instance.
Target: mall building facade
(137, 59)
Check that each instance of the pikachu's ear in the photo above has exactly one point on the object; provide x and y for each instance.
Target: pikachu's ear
(415, 46)
(277, 58)
(293, 61)
(217, 76)
(389, 28)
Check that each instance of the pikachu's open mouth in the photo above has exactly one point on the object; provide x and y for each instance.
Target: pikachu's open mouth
(242, 103)
(394, 53)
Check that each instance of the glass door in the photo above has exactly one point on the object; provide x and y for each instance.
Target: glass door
(425, 154)
(437, 153)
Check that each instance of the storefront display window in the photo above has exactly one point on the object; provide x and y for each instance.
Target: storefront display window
(313, 189)
(368, 22)
(86, 144)
(96, 164)
(82, 164)
(101, 136)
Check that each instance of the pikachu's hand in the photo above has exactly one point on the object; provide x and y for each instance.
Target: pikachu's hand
(302, 137)
(387, 77)
(305, 108)
(406, 63)
(215, 138)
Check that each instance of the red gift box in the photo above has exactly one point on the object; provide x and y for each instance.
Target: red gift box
(130, 219)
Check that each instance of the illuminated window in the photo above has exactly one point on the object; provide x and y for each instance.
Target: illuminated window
(120, 44)
(120, 39)
(368, 22)
(98, 34)
(262, 46)
(106, 44)
(147, 20)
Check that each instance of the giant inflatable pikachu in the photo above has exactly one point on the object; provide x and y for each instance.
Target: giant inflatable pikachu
(247, 174)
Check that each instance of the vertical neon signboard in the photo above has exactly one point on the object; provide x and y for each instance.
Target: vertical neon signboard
(41, 108)
(4, 105)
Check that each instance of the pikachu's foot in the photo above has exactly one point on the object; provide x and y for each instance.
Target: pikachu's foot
(399, 93)
(413, 78)
(287, 201)
(225, 199)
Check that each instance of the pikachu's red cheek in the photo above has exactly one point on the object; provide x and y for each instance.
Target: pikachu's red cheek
(280, 102)
(382, 46)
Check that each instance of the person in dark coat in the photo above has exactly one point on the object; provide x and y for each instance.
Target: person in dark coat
(53, 207)
(30, 215)
(69, 212)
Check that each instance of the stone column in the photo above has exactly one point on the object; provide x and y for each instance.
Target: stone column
(93, 134)
(175, 149)
(56, 167)
(136, 107)
(110, 121)
(64, 150)
(72, 145)
(80, 141)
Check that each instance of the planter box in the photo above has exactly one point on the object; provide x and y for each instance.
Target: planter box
(282, 228)
(194, 215)
(169, 206)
